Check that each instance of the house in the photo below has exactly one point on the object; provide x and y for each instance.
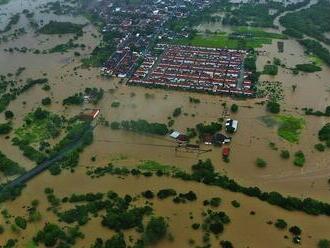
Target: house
(175, 134)
(231, 125)
(89, 114)
(182, 138)
(220, 139)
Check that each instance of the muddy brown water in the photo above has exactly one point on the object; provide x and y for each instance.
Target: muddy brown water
(251, 141)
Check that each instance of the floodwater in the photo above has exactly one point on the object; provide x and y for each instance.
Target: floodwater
(128, 149)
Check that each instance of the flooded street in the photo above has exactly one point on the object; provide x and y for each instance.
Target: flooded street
(129, 149)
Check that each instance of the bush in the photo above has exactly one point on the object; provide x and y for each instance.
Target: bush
(9, 114)
(295, 230)
(299, 159)
(285, 154)
(270, 70)
(281, 224)
(46, 101)
(164, 193)
(155, 230)
(20, 222)
(323, 243)
(273, 107)
(234, 108)
(5, 128)
(226, 244)
(177, 112)
(261, 163)
(215, 201)
(320, 147)
(235, 204)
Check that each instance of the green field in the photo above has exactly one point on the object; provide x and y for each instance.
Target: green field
(253, 38)
(290, 127)
(4, 1)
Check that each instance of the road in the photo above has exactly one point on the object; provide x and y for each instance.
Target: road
(48, 163)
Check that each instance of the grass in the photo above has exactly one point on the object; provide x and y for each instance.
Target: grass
(315, 60)
(149, 165)
(4, 1)
(290, 127)
(38, 130)
(219, 40)
(31, 244)
(257, 32)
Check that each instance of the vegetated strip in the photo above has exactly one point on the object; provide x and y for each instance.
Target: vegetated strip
(203, 172)
(13, 188)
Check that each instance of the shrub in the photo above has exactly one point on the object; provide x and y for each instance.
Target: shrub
(177, 112)
(226, 244)
(273, 107)
(9, 114)
(295, 230)
(320, 147)
(285, 154)
(235, 204)
(20, 222)
(115, 104)
(323, 243)
(234, 108)
(215, 201)
(299, 159)
(261, 163)
(5, 128)
(195, 226)
(281, 224)
(155, 230)
(46, 101)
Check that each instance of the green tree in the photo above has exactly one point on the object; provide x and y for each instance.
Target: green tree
(156, 230)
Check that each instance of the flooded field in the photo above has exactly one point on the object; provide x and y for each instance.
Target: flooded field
(129, 149)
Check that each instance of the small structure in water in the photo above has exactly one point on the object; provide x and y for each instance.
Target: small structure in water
(89, 115)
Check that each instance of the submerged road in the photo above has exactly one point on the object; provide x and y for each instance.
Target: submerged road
(47, 163)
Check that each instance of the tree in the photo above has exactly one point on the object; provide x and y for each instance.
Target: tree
(226, 244)
(46, 101)
(261, 163)
(323, 243)
(117, 241)
(234, 108)
(273, 107)
(295, 230)
(156, 230)
(20, 222)
(9, 114)
(5, 128)
(281, 224)
(285, 154)
(177, 112)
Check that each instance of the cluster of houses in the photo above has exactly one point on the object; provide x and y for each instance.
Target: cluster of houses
(217, 139)
(210, 70)
(121, 64)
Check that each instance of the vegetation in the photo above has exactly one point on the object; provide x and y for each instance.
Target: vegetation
(141, 126)
(93, 95)
(290, 127)
(155, 231)
(323, 243)
(52, 235)
(315, 47)
(281, 224)
(312, 21)
(261, 163)
(324, 134)
(5, 128)
(234, 108)
(310, 111)
(285, 154)
(308, 68)
(54, 27)
(273, 107)
(9, 167)
(177, 112)
(299, 159)
(211, 128)
(270, 70)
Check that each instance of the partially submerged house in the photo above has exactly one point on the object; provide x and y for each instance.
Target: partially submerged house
(231, 125)
(89, 115)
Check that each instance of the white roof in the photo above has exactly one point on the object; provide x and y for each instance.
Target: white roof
(175, 134)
